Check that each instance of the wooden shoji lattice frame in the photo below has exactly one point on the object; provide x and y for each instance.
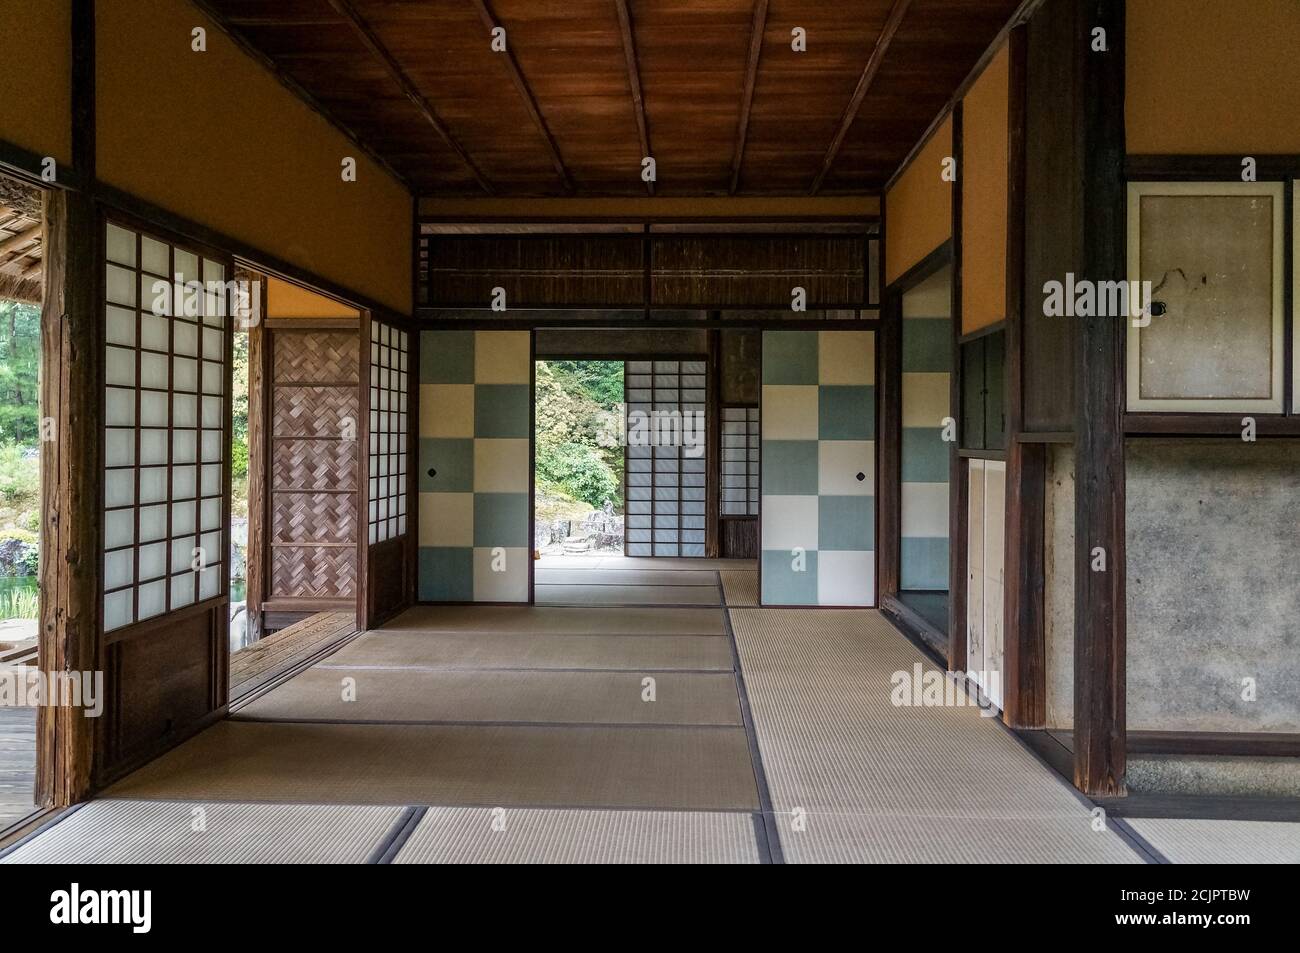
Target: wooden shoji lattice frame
(165, 428)
(665, 516)
(389, 359)
(738, 483)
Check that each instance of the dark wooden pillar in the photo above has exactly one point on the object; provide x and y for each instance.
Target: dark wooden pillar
(255, 554)
(1099, 638)
(958, 466)
(71, 488)
(72, 396)
(889, 436)
(1024, 695)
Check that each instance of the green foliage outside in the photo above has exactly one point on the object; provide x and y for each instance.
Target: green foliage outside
(20, 459)
(239, 428)
(579, 459)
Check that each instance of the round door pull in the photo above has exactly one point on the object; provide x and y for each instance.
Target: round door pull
(432, 472)
(861, 476)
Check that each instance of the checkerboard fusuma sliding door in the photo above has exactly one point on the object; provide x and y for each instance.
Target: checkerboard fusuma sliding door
(818, 468)
(666, 464)
(475, 469)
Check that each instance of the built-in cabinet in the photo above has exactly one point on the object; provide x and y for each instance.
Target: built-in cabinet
(986, 529)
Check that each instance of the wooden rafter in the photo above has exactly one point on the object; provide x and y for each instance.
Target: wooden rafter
(887, 34)
(634, 79)
(236, 36)
(18, 241)
(417, 99)
(490, 21)
(747, 97)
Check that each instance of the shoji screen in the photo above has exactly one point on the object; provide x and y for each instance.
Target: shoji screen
(818, 468)
(665, 479)
(476, 424)
(740, 436)
(165, 433)
(166, 492)
(388, 423)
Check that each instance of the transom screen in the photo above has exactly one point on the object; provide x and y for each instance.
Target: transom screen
(165, 427)
(388, 409)
(665, 463)
(740, 455)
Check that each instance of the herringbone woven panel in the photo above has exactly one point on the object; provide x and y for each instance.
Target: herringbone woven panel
(316, 412)
(314, 571)
(316, 357)
(315, 465)
(314, 518)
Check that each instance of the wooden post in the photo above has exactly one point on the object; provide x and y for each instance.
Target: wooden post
(958, 467)
(1099, 637)
(255, 556)
(71, 489)
(1025, 702)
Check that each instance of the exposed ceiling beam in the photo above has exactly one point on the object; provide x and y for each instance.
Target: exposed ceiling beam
(19, 240)
(291, 84)
(887, 33)
(747, 97)
(530, 101)
(373, 43)
(634, 79)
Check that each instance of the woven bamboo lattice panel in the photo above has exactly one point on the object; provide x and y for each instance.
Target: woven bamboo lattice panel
(315, 412)
(313, 518)
(318, 572)
(314, 475)
(316, 357)
(314, 464)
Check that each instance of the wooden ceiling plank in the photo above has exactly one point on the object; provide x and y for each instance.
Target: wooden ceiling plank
(747, 96)
(634, 79)
(210, 9)
(877, 57)
(490, 21)
(376, 47)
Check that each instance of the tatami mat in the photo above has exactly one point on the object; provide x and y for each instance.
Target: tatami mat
(485, 836)
(626, 577)
(647, 767)
(164, 832)
(876, 781)
(740, 586)
(559, 620)
(1221, 842)
(628, 595)
(404, 695)
(387, 648)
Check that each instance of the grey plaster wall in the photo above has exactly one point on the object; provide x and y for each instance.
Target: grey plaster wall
(1213, 589)
(1058, 591)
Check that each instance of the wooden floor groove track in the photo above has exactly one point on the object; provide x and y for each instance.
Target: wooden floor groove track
(253, 666)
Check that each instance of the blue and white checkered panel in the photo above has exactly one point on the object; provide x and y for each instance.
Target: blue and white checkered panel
(476, 421)
(818, 468)
(927, 364)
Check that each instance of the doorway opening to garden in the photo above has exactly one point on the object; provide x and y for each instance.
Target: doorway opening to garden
(578, 499)
(21, 434)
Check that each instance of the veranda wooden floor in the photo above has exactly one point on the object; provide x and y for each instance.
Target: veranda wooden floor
(17, 763)
(261, 661)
